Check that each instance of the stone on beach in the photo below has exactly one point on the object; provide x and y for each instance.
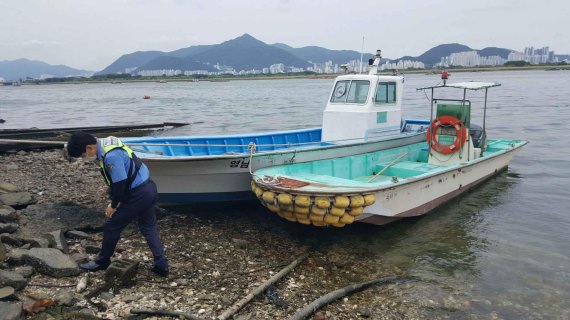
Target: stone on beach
(6, 292)
(7, 214)
(12, 279)
(11, 310)
(51, 262)
(16, 256)
(16, 199)
(8, 187)
(8, 227)
(57, 239)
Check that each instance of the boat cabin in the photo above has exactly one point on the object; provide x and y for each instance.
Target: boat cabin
(363, 106)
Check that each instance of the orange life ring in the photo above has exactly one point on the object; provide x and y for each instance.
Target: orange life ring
(460, 134)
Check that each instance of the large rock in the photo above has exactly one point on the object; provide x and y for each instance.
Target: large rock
(11, 310)
(16, 199)
(51, 262)
(44, 218)
(8, 187)
(8, 214)
(12, 279)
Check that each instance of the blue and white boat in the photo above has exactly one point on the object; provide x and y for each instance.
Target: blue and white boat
(363, 115)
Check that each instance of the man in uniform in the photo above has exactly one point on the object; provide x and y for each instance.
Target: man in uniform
(133, 196)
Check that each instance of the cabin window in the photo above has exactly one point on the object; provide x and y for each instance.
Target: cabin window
(386, 93)
(351, 91)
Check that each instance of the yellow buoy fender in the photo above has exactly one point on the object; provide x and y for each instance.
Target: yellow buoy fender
(318, 211)
(356, 201)
(285, 199)
(319, 224)
(304, 221)
(338, 225)
(268, 196)
(356, 211)
(330, 219)
(303, 201)
(317, 218)
(336, 211)
(301, 216)
(322, 202)
(369, 199)
(347, 219)
(258, 192)
(303, 210)
(341, 201)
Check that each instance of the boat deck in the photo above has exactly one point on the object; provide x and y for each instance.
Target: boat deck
(361, 171)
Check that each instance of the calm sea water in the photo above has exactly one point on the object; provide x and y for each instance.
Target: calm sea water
(505, 246)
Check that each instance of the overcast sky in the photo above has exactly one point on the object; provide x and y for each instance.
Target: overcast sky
(92, 34)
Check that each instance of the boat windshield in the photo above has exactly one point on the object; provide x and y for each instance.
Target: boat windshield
(351, 91)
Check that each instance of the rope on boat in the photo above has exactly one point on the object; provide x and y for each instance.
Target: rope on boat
(387, 166)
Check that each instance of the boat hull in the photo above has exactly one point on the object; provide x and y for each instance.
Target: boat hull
(227, 178)
(423, 196)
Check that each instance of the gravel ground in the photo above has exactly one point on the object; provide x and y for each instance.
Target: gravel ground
(218, 254)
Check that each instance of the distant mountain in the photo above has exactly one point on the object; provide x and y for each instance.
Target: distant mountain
(185, 52)
(320, 55)
(242, 53)
(22, 68)
(434, 55)
(494, 51)
(131, 61)
(246, 52)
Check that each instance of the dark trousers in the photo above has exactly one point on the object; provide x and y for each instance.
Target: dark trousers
(139, 205)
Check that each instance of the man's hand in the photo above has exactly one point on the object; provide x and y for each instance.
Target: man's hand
(109, 212)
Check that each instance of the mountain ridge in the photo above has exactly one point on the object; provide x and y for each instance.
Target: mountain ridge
(22, 68)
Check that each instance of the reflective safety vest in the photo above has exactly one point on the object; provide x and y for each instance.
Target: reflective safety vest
(113, 143)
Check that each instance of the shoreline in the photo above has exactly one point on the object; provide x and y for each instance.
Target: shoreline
(301, 76)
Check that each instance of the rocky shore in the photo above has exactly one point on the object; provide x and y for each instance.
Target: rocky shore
(51, 214)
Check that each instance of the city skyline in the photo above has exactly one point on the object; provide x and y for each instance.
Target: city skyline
(90, 35)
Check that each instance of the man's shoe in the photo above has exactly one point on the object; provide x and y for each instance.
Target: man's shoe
(92, 266)
(160, 272)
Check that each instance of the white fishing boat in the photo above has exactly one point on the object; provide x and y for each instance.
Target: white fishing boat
(385, 185)
(363, 114)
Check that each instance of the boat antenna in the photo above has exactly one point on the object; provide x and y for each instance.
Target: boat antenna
(361, 54)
